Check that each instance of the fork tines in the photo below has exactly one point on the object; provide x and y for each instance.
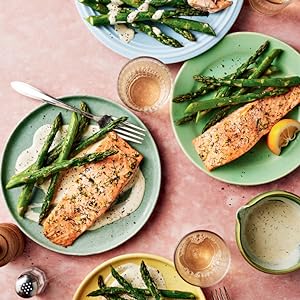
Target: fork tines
(130, 132)
(220, 294)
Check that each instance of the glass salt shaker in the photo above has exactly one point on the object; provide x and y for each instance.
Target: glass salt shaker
(31, 282)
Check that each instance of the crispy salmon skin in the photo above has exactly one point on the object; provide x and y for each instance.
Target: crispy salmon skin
(241, 130)
(85, 193)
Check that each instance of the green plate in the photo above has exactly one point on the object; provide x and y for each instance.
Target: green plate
(259, 165)
(109, 236)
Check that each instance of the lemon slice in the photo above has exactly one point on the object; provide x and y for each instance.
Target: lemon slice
(281, 134)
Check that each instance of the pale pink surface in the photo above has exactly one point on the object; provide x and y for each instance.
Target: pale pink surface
(45, 43)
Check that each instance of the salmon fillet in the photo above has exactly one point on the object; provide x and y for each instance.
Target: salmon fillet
(85, 193)
(241, 130)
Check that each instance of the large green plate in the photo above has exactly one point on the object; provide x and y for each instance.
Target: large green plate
(109, 236)
(259, 165)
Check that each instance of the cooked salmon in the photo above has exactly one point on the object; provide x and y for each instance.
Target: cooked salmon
(241, 130)
(212, 6)
(85, 193)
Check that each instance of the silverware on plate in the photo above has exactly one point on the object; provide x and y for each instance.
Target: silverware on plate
(220, 294)
(127, 131)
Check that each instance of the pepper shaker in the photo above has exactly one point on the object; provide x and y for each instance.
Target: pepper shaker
(31, 282)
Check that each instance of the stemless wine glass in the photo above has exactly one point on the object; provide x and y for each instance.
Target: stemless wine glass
(202, 258)
(269, 7)
(144, 84)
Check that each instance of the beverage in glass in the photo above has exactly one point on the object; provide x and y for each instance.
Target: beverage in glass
(144, 84)
(202, 258)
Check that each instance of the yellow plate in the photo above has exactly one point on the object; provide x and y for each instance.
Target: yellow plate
(165, 266)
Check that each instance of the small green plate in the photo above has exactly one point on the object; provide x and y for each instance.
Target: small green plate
(109, 236)
(259, 165)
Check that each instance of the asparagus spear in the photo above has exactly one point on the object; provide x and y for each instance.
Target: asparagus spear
(25, 196)
(99, 7)
(189, 24)
(95, 5)
(98, 135)
(149, 282)
(204, 89)
(185, 33)
(165, 293)
(166, 19)
(43, 173)
(272, 69)
(101, 284)
(225, 91)
(260, 82)
(185, 119)
(157, 3)
(65, 151)
(83, 124)
(152, 8)
(127, 286)
(54, 153)
(263, 66)
(219, 102)
(88, 141)
(175, 3)
(157, 34)
(249, 72)
(259, 71)
(146, 16)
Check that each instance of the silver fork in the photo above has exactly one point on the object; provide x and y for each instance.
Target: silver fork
(127, 131)
(220, 294)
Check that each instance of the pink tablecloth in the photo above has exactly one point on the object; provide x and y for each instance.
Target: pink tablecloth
(45, 43)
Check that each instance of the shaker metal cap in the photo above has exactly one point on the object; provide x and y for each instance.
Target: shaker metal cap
(26, 285)
(31, 282)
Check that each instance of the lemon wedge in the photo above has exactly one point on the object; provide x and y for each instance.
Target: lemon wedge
(281, 134)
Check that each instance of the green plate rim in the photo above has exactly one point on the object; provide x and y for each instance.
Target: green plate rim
(158, 175)
(181, 70)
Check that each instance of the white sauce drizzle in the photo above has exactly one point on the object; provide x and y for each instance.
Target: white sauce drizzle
(112, 14)
(158, 14)
(31, 214)
(132, 16)
(156, 30)
(145, 6)
(125, 34)
(113, 8)
(28, 157)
